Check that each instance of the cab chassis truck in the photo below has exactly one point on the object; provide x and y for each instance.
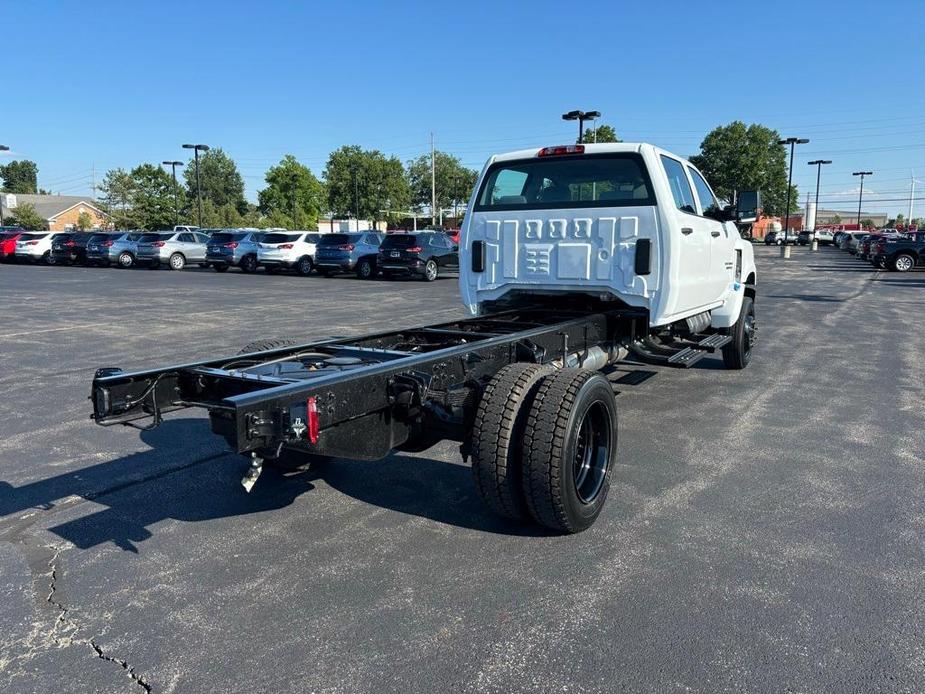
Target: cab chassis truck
(572, 258)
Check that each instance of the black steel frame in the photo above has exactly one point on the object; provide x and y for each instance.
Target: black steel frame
(417, 386)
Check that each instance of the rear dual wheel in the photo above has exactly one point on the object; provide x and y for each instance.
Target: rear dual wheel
(543, 445)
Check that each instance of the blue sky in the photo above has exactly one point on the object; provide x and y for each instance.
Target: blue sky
(98, 85)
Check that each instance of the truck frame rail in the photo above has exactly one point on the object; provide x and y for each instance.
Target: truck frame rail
(358, 397)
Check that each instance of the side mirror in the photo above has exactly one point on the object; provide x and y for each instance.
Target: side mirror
(748, 205)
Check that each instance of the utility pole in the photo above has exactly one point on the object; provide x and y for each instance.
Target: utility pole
(792, 141)
(862, 174)
(3, 148)
(433, 181)
(176, 202)
(911, 197)
(356, 200)
(818, 164)
(196, 149)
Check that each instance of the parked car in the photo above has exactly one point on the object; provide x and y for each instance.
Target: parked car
(779, 238)
(900, 253)
(35, 246)
(8, 238)
(824, 236)
(863, 249)
(120, 247)
(288, 250)
(174, 248)
(231, 248)
(350, 252)
(423, 254)
(852, 240)
(70, 248)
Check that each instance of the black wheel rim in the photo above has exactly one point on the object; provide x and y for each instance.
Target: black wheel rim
(365, 269)
(592, 453)
(305, 266)
(750, 332)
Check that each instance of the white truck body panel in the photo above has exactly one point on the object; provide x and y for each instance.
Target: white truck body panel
(591, 250)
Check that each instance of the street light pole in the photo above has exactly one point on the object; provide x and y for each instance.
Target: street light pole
(792, 141)
(862, 174)
(196, 149)
(581, 117)
(818, 164)
(176, 201)
(3, 148)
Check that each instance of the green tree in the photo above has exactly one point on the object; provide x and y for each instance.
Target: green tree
(867, 223)
(740, 157)
(366, 182)
(151, 198)
(84, 221)
(115, 197)
(605, 133)
(836, 219)
(219, 179)
(293, 192)
(20, 176)
(453, 181)
(25, 216)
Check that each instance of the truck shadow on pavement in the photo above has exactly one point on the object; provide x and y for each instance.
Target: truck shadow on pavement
(806, 297)
(140, 490)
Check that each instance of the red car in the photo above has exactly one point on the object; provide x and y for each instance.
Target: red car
(8, 238)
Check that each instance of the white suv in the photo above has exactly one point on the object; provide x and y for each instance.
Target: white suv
(288, 249)
(35, 246)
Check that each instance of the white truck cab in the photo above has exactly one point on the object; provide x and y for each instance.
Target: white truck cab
(623, 222)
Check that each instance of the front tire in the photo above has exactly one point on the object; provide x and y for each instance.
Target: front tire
(903, 262)
(496, 438)
(569, 449)
(248, 264)
(738, 353)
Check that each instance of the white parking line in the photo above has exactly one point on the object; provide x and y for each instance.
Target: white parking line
(48, 330)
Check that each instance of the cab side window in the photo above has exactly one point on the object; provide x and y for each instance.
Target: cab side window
(680, 188)
(708, 204)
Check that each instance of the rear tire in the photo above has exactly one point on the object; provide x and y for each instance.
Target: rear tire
(305, 266)
(738, 353)
(126, 260)
(431, 271)
(177, 261)
(365, 270)
(569, 449)
(220, 268)
(496, 438)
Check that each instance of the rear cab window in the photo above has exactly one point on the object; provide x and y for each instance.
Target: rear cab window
(337, 239)
(566, 182)
(225, 237)
(279, 238)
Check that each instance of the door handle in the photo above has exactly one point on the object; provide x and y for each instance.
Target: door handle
(686, 230)
(714, 234)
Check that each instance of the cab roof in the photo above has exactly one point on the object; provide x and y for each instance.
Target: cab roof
(589, 149)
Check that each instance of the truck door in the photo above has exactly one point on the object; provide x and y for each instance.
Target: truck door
(694, 256)
(722, 246)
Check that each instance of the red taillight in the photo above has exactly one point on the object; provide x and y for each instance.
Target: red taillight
(312, 415)
(346, 247)
(232, 244)
(561, 149)
(107, 244)
(70, 244)
(285, 245)
(156, 244)
(415, 249)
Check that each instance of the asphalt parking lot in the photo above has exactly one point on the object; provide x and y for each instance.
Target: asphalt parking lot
(764, 531)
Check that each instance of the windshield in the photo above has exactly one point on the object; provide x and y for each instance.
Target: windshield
(225, 237)
(336, 239)
(557, 182)
(399, 241)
